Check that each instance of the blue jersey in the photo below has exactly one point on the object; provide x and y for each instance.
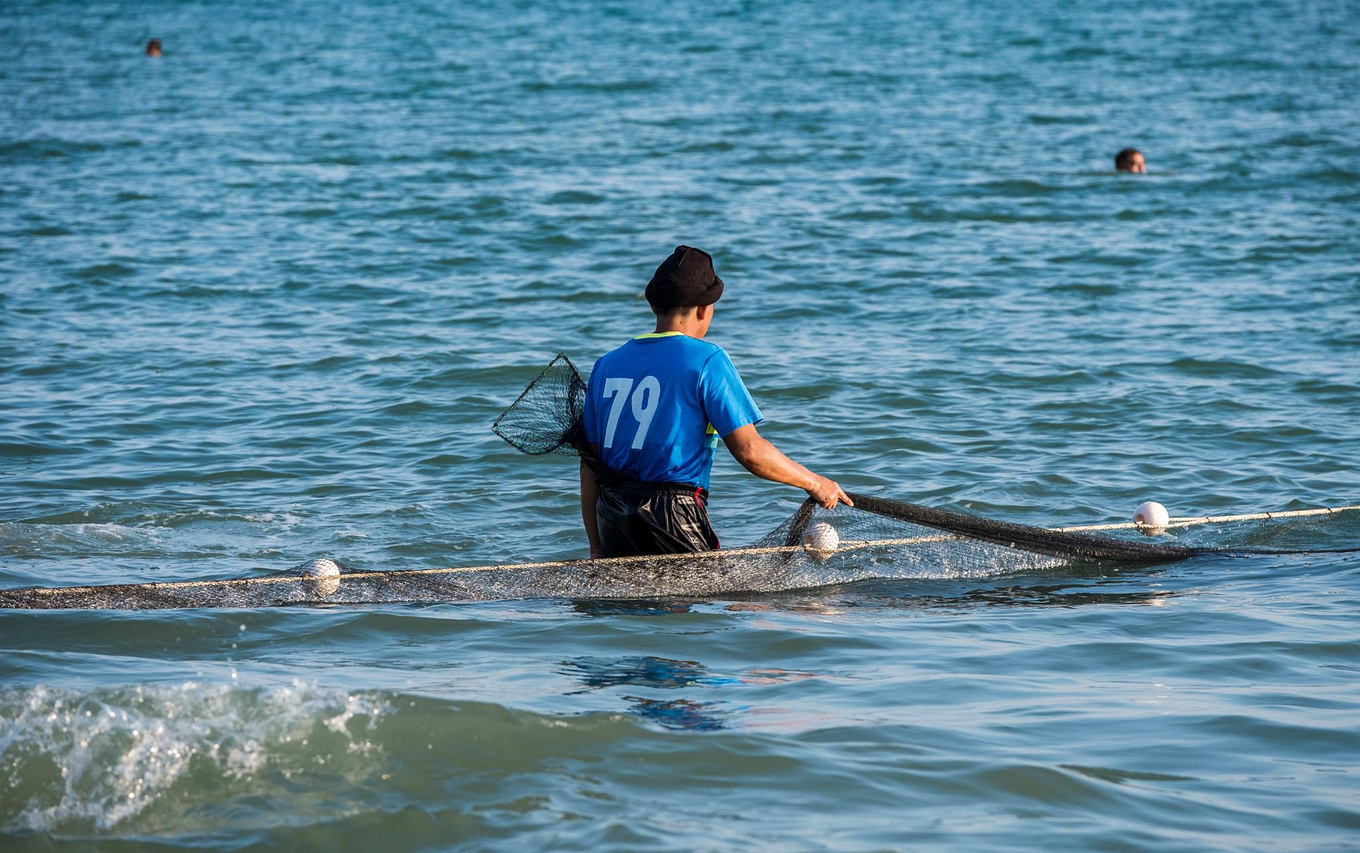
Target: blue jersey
(657, 406)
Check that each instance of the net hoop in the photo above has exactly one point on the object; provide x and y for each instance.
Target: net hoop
(546, 419)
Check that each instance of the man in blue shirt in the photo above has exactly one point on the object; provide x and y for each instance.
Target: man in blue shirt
(655, 411)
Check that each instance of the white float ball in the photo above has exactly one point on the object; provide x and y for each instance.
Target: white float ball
(322, 576)
(820, 540)
(1151, 518)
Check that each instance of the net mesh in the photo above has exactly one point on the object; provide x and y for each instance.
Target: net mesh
(546, 418)
(877, 539)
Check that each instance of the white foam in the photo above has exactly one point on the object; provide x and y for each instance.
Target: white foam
(95, 760)
(84, 539)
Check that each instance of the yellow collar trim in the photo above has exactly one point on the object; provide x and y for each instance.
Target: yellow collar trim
(658, 335)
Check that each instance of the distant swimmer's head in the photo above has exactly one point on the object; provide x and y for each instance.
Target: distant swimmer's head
(1130, 160)
(153, 47)
(684, 280)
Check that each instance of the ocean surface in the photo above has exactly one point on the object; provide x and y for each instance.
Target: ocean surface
(261, 299)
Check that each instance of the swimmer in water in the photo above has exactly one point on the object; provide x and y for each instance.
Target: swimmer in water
(153, 47)
(1130, 160)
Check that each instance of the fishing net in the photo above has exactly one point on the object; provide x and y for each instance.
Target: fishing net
(815, 547)
(877, 539)
(546, 418)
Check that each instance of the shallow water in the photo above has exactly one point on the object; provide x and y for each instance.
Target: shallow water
(263, 297)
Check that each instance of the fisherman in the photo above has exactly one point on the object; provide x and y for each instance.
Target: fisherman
(1130, 160)
(655, 410)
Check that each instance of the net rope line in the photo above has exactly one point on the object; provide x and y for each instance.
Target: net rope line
(607, 562)
(1191, 520)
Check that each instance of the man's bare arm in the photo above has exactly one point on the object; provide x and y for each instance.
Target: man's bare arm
(590, 491)
(757, 455)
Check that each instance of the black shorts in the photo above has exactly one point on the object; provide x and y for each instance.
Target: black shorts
(653, 518)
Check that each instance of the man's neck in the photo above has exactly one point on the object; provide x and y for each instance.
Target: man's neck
(685, 325)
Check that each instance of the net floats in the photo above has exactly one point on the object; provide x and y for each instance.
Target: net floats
(821, 540)
(1151, 518)
(321, 576)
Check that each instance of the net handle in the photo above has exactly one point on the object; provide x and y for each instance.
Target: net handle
(798, 524)
(1039, 540)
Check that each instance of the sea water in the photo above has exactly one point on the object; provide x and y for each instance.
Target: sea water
(262, 297)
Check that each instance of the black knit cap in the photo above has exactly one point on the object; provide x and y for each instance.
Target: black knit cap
(686, 279)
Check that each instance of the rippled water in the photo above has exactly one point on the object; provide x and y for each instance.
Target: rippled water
(263, 297)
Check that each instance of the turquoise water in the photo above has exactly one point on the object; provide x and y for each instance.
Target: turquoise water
(263, 297)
